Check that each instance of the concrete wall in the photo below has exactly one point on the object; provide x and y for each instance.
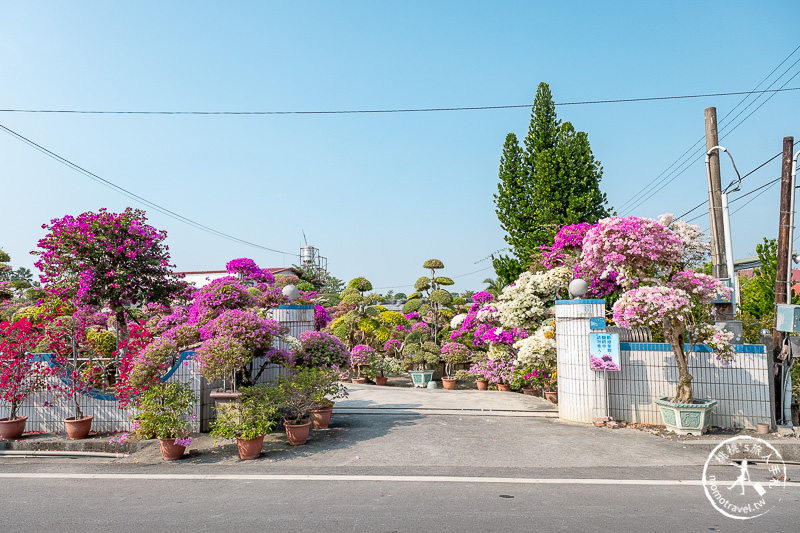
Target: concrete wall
(649, 371)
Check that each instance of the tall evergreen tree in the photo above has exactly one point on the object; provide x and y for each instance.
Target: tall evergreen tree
(554, 181)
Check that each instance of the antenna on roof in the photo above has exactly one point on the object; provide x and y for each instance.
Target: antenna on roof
(304, 237)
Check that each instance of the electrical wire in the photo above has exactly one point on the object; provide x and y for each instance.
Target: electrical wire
(136, 197)
(452, 277)
(636, 200)
(400, 110)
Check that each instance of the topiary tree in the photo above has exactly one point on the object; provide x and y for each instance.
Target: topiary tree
(430, 297)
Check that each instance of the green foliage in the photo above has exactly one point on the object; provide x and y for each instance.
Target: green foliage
(423, 283)
(424, 309)
(433, 264)
(414, 295)
(400, 296)
(443, 280)
(254, 414)
(393, 318)
(306, 389)
(164, 409)
(552, 182)
(441, 297)
(102, 341)
(758, 292)
(4, 257)
(412, 305)
(361, 284)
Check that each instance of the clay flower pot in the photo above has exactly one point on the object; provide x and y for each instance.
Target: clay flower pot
(552, 396)
(320, 418)
(449, 383)
(171, 451)
(297, 433)
(381, 380)
(250, 448)
(360, 381)
(78, 428)
(532, 391)
(12, 429)
(504, 387)
(483, 384)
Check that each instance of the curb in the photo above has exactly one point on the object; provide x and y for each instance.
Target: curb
(790, 451)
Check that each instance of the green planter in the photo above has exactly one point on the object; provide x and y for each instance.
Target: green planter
(686, 418)
(421, 378)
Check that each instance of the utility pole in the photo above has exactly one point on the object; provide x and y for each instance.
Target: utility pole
(782, 286)
(719, 264)
(719, 267)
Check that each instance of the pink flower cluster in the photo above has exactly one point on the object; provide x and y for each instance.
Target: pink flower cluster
(568, 240)
(650, 305)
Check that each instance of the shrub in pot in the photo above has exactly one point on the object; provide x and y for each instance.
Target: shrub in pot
(453, 353)
(248, 419)
(166, 411)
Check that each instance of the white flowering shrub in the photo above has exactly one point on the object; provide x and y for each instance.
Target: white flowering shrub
(539, 348)
(526, 303)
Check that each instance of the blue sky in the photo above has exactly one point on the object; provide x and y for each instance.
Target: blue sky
(376, 193)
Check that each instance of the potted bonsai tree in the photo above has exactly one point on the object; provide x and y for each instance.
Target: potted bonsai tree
(651, 263)
(361, 357)
(248, 419)
(453, 353)
(166, 411)
(420, 360)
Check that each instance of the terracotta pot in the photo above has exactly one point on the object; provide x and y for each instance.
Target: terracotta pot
(221, 397)
(449, 383)
(552, 396)
(504, 387)
(12, 429)
(359, 380)
(320, 418)
(297, 433)
(381, 380)
(78, 428)
(171, 451)
(532, 391)
(483, 384)
(250, 448)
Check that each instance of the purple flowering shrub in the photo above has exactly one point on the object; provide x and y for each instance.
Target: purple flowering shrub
(320, 349)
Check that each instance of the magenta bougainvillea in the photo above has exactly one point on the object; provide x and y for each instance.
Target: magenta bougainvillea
(111, 259)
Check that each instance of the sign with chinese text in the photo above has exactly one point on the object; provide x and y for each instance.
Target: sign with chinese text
(604, 351)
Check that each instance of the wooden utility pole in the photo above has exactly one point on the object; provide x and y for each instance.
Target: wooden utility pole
(782, 266)
(719, 268)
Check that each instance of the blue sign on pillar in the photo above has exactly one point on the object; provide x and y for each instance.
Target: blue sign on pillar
(604, 351)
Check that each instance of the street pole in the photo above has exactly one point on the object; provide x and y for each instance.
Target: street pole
(718, 263)
(782, 286)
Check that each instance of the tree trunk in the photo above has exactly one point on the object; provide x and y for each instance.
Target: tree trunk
(674, 335)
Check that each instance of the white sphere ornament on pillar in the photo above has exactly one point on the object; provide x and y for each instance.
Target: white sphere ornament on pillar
(578, 287)
(291, 292)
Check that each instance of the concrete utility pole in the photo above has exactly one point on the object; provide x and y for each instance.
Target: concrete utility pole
(719, 268)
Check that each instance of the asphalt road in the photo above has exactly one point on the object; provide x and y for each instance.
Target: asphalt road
(393, 473)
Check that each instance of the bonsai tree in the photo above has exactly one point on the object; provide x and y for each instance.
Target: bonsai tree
(430, 297)
(252, 415)
(454, 353)
(355, 321)
(652, 263)
(422, 356)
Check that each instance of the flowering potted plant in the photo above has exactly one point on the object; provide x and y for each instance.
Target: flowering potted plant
(530, 379)
(497, 368)
(20, 375)
(248, 419)
(651, 263)
(166, 411)
(387, 362)
(453, 353)
(329, 388)
(551, 385)
(361, 356)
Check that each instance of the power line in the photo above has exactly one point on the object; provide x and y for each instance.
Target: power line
(136, 197)
(452, 277)
(400, 110)
(636, 199)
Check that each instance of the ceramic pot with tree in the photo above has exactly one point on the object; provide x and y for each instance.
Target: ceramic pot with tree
(298, 393)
